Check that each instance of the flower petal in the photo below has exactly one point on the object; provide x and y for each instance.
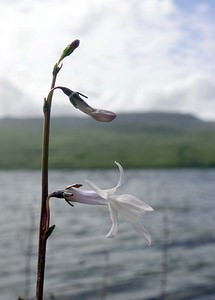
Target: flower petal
(134, 204)
(102, 193)
(121, 179)
(114, 217)
(140, 230)
(131, 216)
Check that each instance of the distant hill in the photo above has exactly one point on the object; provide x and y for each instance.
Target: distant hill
(150, 140)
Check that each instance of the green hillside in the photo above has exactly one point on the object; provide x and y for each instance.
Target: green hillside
(151, 140)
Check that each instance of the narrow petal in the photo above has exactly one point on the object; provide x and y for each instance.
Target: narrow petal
(131, 217)
(121, 179)
(121, 175)
(102, 193)
(114, 217)
(134, 204)
(140, 230)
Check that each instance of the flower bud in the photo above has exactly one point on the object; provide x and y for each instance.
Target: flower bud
(100, 115)
(69, 49)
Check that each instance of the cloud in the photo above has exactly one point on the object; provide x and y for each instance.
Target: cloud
(14, 102)
(134, 55)
(195, 94)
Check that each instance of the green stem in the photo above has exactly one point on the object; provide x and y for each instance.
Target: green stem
(43, 214)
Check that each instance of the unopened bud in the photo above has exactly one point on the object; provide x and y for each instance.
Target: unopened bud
(69, 49)
(100, 115)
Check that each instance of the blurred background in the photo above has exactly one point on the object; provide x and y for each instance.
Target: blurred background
(151, 62)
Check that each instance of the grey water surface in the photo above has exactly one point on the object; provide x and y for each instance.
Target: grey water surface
(81, 264)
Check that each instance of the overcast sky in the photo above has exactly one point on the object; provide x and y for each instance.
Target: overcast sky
(134, 55)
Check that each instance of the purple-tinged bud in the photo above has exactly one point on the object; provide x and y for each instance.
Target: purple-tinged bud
(69, 49)
(100, 115)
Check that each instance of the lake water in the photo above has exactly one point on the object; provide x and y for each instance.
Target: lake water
(82, 264)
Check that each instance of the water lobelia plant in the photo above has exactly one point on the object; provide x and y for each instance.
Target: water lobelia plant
(78, 102)
(127, 205)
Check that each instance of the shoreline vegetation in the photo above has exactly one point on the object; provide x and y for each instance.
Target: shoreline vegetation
(137, 140)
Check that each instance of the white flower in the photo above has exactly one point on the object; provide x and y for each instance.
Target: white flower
(127, 205)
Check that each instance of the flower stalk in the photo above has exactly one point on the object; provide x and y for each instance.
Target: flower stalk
(100, 115)
(44, 214)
